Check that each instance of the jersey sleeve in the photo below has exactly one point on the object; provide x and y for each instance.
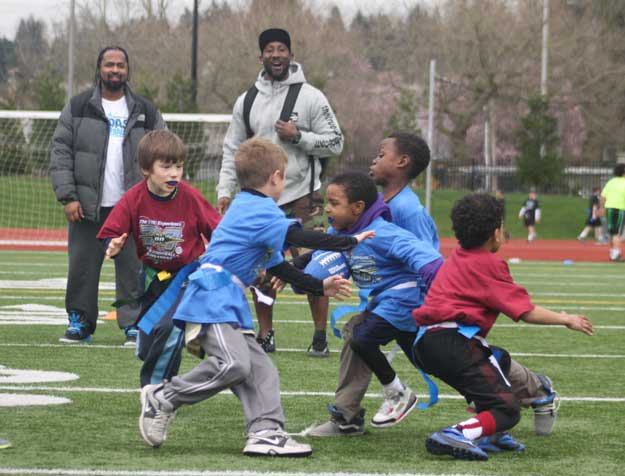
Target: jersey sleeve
(208, 218)
(118, 222)
(273, 237)
(504, 295)
(414, 252)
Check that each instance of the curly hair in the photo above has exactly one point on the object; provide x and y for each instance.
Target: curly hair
(474, 219)
(357, 187)
(619, 170)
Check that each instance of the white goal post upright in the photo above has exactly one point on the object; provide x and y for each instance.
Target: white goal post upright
(30, 216)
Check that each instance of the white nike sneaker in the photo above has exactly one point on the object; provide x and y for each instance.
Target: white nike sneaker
(395, 407)
(156, 416)
(274, 443)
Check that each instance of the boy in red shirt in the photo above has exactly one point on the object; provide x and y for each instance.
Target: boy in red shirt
(470, 290)
(170, 222)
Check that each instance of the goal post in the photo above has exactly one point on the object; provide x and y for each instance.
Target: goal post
(30, 215)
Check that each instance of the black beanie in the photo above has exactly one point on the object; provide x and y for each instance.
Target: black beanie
(274, 34)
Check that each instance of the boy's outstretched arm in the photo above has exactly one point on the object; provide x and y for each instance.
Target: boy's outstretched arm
(540, 315)
(115, 245)
(318, 240)
(334, 286)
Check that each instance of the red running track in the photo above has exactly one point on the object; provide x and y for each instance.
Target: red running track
(544, 250)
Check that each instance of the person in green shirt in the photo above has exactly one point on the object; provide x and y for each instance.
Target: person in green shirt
(613, 205)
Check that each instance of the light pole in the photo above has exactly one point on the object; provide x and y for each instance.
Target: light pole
(70, 52)
(428, 173)
(194, 55)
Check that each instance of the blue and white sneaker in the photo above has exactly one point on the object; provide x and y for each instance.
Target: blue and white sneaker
(77, 331)
(545, 408)
(500, 441)
(451, 441)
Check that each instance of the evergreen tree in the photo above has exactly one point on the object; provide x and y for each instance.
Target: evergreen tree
(538, 129)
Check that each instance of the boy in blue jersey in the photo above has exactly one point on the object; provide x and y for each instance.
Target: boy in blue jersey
(214, 310)
(397, 267)
(401, 157)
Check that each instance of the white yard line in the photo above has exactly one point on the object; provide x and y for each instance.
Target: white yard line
(122, 472)
(284, 393)
(103, 346)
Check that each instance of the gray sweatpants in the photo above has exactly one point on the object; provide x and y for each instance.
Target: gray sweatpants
(236, 361)
(86, 255)
(355, 377)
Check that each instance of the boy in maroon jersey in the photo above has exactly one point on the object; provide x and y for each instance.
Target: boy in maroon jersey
(471, 288)
(170, 222)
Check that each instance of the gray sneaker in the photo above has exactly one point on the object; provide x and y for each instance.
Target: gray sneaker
(546, 408)
(339, 426)
(275, 443)
(156, 416)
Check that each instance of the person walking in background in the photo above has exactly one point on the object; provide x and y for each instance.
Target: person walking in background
(530, 214)
(593, 220)
(612, 204)
(92, 164)
(284, 108)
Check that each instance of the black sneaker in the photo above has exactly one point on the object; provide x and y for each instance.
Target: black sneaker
(268, 343)
(318, 349)
(77, 330)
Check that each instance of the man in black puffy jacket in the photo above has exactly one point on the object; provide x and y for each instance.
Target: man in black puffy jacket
(92, 163)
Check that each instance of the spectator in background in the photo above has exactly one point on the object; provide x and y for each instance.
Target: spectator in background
(92, 163)
(499, 195)
(613, 206)
(530, 214)
(310, 132)
(593, 220)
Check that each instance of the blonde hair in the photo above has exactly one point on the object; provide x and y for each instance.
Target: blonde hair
(160, 144)
(255, 161)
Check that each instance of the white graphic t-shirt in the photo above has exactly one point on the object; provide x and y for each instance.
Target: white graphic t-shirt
(113, 188)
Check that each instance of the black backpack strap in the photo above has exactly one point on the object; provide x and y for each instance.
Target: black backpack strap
(289, 102)
(250, 95)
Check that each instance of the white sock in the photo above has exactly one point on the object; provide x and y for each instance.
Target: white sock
(395, 385)
(471, 428)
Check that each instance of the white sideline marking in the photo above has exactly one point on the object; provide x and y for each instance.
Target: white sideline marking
(103, 472)
(32, 376)
(284, 393)
(334, 351)
(23, 400)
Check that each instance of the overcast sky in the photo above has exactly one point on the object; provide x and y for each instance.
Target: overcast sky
(11, 11)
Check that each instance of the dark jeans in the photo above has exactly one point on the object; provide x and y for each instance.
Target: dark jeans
(373, 332)
(86, 254)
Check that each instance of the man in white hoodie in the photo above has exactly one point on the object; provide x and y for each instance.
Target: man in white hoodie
(310, 133)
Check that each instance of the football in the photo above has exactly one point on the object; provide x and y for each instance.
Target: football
(324, 264)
